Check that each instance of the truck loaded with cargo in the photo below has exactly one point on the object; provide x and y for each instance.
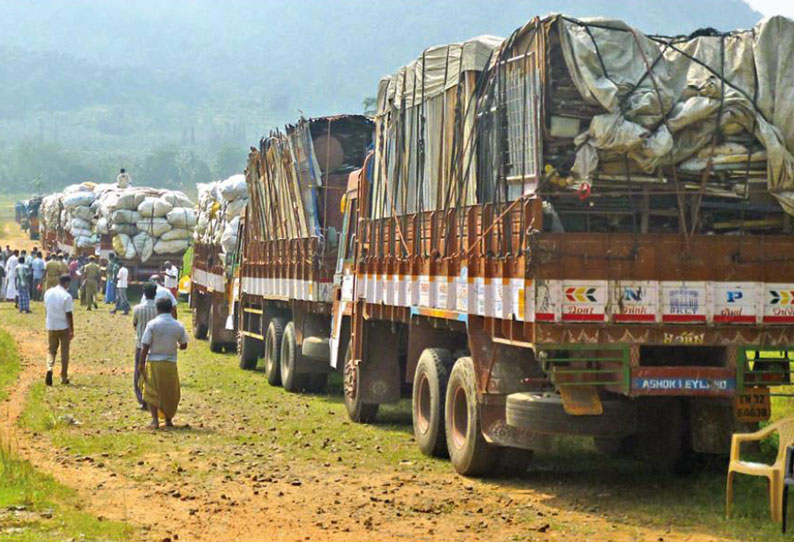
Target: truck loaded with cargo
(291, 243)
(580, 230)
(216, 252)
(145, 227)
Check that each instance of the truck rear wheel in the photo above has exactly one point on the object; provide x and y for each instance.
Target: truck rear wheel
(427, 405)
(289, 354)
(250, 352)
(199, 326)
(358, 411)
(215, 345)
(273, 337)
(471, 455)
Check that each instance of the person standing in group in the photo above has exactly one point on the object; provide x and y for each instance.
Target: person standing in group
(91, 276)
(171, 278)
(22, 281)
(142, 314)
(123, 179)
(38, 267)
(11, 276)
(161, 339)
(63, 266)
(74, 286)
(122, 303)
(111, 270)
(164, 293)
(59, 308)
(52, 272)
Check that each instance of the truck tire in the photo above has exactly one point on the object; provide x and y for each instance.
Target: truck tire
(250, 352)
(273, 337)
(471, 455)
(215, 345)
(544, 413)
(358, 411)
(290, 378)
(427, 403)
(199, 328)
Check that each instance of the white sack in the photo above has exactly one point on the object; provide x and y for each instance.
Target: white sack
(154, 226)
(236, 208)
(229, 237)
(124, 216)
(176, 233)
(81, 232)
(80, 224)
(144, 245)
(128, 229)
(154, 207)
(177, 199)
(101, 226)
(83, 241)
(234, 188)
(78, 199)
(122, 245)
(84, 213)
(182, 218)
(171, 247)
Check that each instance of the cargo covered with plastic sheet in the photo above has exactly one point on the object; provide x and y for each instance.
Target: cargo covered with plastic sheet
(296, 181)
(622, 131)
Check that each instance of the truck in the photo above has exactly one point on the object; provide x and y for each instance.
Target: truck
(32, 213)
(297, 180)
(552, 237)
(215, 262)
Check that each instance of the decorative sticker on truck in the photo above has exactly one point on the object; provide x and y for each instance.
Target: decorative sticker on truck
(634, 302)
(462, 290)
(778, 303)
(684, 302)
(547, 300)
(736, 303)
(584, 301)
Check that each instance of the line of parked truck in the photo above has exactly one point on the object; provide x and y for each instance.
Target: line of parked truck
(577, 230)
(533, 237)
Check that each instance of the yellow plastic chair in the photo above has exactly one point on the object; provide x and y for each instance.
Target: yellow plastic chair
(773, 472)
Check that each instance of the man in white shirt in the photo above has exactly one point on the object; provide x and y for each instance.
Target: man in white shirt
(122, 303)
(171, 278)
(11, 276)
(59, 321)
(163, 292)
(123, 179)
(157, 363)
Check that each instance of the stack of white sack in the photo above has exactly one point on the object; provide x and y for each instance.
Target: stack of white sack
(50, 212)
(146, 221)
(220, 207)
(77, 217)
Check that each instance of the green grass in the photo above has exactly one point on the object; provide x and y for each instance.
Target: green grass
(236, 419)
(33, 506)
(9, 363)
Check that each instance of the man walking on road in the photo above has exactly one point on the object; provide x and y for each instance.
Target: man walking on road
(142, 314)
(52, 272)
(161, 338)
(164, 293)
(11, 276)
(59, 308)
(22, 282)
(38, 266)
(111, 271)
(121, 291)
(171, 278)
(91, 274)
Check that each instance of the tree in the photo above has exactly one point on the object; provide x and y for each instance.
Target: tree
(370, 105)
(228, 161)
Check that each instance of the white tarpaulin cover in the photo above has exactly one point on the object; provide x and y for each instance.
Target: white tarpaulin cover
(695, 87)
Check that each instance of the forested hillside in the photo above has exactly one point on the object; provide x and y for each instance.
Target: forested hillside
(177, 90)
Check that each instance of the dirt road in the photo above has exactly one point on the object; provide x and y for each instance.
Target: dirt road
(250, 462)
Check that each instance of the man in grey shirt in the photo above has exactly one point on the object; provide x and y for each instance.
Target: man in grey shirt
(161, 339)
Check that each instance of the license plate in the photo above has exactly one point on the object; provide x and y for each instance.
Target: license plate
(752, 406)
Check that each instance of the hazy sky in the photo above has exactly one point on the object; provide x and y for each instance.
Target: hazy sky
(774, 7)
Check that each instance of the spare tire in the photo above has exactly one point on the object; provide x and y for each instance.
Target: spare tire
(544, 413)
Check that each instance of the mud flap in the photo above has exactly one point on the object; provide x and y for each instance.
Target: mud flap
(379, 378)
(581, 401)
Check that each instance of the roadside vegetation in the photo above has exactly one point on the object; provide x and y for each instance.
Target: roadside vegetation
(33, 506)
